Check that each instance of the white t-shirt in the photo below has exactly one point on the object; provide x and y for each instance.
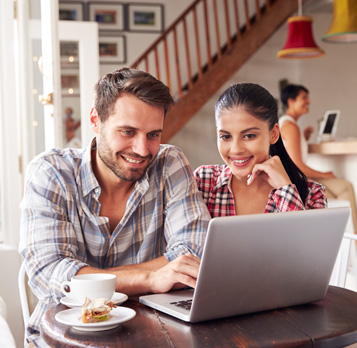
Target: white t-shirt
(303, 141)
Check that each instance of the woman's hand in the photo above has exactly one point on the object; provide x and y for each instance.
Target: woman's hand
(271, 170)
(307, 132)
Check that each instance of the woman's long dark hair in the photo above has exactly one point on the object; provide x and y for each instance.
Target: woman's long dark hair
(257, 101)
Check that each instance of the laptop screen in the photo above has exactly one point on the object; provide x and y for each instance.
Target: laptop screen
(329, 123)
(328, 126)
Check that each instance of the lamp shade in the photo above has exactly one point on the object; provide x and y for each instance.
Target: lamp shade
(300, 43)
(343, 28)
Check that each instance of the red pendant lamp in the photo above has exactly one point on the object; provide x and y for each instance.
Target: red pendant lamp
(300, 43)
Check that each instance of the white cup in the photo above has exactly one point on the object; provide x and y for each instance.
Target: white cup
(93, 286)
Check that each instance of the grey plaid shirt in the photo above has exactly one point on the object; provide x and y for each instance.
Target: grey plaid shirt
(62, 230)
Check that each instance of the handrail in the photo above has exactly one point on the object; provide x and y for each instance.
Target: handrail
(196, 40)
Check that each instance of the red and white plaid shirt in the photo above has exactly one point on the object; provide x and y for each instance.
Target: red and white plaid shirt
(214, 181)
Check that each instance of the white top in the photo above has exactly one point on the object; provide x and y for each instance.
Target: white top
(303, 141)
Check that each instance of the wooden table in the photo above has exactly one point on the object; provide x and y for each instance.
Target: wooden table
(334, 148)
(331, 322)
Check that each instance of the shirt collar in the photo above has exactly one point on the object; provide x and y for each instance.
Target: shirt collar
(224, 178)
(89, 181)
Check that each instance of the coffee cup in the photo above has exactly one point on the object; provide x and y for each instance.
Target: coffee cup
(93, 286)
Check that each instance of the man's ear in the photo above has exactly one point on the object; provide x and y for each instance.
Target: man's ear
(94, 120)
(274, 134)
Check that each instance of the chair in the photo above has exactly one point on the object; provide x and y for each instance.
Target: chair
(23, 294)
(347, 253)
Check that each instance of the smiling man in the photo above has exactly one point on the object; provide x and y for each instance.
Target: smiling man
(126, 204)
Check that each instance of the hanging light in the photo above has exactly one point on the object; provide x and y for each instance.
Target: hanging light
(344, 24)
(300, 43)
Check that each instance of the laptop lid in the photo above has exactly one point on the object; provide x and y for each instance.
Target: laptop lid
(258, 262)
(328, 126)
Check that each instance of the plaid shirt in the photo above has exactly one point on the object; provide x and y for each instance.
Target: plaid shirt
(62, 230)
(214, 181)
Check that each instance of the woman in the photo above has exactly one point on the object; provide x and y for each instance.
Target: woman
(296, 102)
(259, 175)
(295, 99)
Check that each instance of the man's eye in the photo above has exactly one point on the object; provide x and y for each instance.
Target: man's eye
(127, 132)
(153, 135)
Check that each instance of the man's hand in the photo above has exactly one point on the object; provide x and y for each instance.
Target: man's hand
(179, 273)
(156, 276)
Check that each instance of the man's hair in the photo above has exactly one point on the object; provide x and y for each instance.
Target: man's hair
(138, 83)
(291, 92)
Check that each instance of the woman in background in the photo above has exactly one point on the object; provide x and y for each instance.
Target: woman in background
(259, 175)
(296, 101)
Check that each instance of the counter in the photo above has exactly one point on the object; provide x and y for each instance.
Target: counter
(341, 147)
(339, 156)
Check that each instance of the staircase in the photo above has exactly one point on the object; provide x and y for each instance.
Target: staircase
(205, 46)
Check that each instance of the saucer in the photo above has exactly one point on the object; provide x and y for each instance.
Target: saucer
(118, 298)
(73, 318)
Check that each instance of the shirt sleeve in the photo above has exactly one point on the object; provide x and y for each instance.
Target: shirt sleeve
(186, 215)
(316, 199)
(47, 240)
(287, 198)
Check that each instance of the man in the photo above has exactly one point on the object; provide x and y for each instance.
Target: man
(124, 205)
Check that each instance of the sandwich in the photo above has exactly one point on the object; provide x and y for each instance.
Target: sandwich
(96, 310)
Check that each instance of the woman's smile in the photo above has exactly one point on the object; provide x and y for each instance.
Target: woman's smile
(242, 161)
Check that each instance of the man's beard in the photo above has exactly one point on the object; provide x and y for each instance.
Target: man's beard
(131, 174)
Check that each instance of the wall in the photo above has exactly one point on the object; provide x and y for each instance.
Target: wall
(136, 43)
(330, 79)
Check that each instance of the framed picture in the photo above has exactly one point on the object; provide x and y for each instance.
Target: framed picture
(109, 15)
(71, 11)
(112, 49)
(70, 82)
(145, 17)
(69, 53)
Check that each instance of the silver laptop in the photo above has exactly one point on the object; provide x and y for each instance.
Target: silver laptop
(253, 263)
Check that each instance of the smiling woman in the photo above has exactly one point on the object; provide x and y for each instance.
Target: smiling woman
(257, 164)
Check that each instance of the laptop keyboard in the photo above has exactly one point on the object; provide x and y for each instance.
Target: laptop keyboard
(185, 304)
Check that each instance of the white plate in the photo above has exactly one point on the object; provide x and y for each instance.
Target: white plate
(118, 298)
(73, 318)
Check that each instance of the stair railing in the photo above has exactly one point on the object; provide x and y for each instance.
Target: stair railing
(197, 39)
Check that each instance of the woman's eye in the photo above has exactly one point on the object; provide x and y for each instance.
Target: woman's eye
(250, 136)
(224, 136)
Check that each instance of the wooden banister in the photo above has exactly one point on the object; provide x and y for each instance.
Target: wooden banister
(196, 42)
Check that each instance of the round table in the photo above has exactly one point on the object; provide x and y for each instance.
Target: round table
(331, 322)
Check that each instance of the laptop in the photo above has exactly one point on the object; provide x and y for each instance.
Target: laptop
(328, 126)
(253, 263)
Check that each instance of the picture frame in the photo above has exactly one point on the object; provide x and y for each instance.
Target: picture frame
(69, 53)
(145, 17)
(112, 49)
(70, 82)
(71, 11)
(108, 15)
